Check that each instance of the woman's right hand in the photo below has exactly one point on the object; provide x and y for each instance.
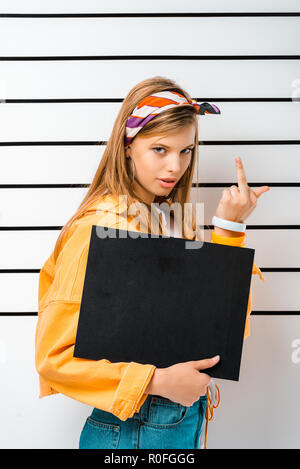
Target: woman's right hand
(182, 382)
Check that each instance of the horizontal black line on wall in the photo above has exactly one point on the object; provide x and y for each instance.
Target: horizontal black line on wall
(204, 184)
(253, 313)
(275, 313)
(263, 269)
(120, 100)
(100, 143)
(150, 57)
(251, 184)
(206, 227)
(147, 15)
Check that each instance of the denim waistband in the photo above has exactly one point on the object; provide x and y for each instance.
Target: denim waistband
(143, 412)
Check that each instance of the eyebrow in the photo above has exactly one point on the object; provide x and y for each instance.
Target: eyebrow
(163, 145)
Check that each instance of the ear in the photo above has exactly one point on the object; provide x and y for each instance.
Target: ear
(127, 152)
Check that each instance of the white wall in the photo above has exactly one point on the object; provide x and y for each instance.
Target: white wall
(262, 409)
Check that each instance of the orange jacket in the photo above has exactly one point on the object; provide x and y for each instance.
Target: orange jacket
(118, 388)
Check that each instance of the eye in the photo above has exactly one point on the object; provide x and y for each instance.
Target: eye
(187, 150)
(158, 148)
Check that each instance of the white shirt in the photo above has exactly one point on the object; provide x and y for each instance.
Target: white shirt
(171, 231)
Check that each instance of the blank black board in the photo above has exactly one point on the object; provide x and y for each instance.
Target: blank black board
(153, 301)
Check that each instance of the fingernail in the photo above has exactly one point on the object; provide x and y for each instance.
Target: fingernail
(216, 358)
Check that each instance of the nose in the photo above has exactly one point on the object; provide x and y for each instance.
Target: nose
(173, 163)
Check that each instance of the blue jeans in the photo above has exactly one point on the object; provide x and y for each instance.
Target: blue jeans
(160, 424)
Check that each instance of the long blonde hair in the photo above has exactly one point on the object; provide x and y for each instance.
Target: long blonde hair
(113, 175)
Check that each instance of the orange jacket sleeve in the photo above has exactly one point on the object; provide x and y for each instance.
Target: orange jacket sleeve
(117, 388)
(239, 241)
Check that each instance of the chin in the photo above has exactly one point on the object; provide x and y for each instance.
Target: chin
(163, 193)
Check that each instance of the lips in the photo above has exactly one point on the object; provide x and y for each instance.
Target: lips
(167, 179)
(167, 183)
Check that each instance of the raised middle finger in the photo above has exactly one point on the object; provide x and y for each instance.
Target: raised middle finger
(241, 176)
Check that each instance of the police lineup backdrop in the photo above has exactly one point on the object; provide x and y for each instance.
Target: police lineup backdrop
(63, 79)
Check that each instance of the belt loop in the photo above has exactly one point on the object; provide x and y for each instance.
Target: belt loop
(144, 410)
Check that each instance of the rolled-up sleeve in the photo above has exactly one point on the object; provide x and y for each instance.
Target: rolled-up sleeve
(240, 242)
(118, 388)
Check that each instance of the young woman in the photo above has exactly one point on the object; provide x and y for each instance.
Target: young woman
(154, 138)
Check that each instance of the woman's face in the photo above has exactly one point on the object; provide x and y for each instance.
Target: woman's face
(157, 158)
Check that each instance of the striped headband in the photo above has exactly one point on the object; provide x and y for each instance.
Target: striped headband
(156, 103)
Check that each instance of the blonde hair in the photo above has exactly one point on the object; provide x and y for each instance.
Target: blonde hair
(113, 175)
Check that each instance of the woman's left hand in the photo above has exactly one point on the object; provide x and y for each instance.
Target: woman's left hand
(237, 203)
